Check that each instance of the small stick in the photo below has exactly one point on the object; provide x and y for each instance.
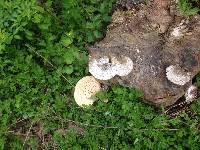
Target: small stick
(27, 135)
(48, 63)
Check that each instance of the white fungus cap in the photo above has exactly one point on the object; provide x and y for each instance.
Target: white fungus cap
(84, 89)
(102, 69)
(177, 75)
(191, 94)
(123, 69)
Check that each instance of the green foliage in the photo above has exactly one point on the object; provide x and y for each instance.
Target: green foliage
(85, 18)
(42, 56)
(186, 7)
(119, 120)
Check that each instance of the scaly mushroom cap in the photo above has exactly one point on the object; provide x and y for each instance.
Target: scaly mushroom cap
(84, 89)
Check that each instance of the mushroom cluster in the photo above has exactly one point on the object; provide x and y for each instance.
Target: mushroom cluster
(105, 68)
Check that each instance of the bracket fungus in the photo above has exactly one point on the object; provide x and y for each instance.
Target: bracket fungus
(177, 75)
(105, 68)
(122, 67)
(101, 68)
(191, 94)
(84, 89)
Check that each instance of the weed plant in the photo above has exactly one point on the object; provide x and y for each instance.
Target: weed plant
(189, 7)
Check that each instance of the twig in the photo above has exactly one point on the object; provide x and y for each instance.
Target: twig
(20, 134)
(18, 121)
(31, 48)
(27, 135)
(182, 103)
(110, 127)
